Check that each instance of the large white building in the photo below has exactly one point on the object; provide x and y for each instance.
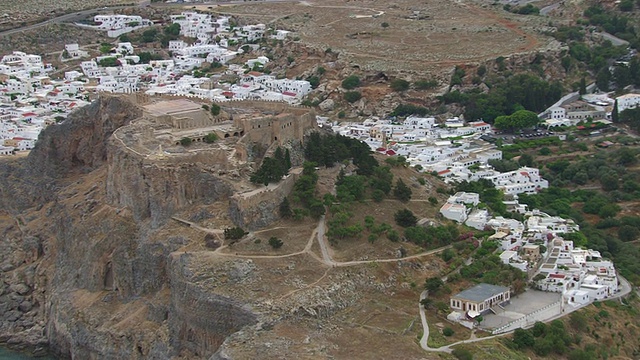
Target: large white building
(628, 101)
(524, 180)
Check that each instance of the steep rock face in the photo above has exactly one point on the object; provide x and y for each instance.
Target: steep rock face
(156, 190)
(81, 141)
(200, 320)
(259, 208)
(90, 280)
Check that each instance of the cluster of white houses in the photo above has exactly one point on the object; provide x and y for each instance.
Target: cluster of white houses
(167, 77)
(535, 246)
(30, 100)
(454, 150)
(116, 25)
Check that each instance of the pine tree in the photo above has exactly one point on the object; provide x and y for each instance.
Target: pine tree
(287, 159)
(614, 113)
(402, 192)
(583, 86)
(285, 208)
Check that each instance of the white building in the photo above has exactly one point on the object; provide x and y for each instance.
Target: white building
(628, 101)
(456, 212)
(524, 180)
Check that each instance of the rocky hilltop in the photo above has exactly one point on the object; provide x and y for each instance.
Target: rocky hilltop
(82, 272)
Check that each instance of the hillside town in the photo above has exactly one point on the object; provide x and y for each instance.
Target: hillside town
(535, 246)
(31, 100)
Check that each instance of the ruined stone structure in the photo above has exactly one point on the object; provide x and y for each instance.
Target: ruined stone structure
(146, 160)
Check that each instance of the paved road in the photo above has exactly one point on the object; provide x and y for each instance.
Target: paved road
(547, 9)
(615, 41)
(71, 17)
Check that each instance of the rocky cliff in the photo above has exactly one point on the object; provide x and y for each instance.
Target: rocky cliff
(86, 268)
(155, 190)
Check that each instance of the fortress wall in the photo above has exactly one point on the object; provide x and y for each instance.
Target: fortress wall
(258, 209)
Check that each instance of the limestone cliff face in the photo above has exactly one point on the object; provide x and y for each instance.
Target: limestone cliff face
(77, 144)
(155, 190)
(81, 141)
(199, 320)
(83, 275)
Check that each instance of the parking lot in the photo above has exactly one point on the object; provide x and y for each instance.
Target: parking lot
(521, 305)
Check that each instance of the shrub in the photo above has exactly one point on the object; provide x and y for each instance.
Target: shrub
(215, 109)
(185, 141)
(211, 138)
(448, 331)
(462, 354)
(425, 84)
(352, 96)
(351, 82)
(392, 235)
(234, 233)
(275, 242)
(399, 85)
(405, 218)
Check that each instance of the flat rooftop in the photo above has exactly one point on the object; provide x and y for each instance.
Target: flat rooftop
(172, 107)
(481, 292)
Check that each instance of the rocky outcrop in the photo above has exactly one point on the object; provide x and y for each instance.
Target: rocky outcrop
(155, 190)
(77, 144)
(201, 320)
(81, 141)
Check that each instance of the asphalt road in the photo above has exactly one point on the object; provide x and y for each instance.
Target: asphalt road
(71, 17)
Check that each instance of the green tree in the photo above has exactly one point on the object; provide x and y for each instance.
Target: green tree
(447, 331)
(234, 233)
(185, 141)
(405, 218)
(583, 86)
(352, 96)
(215, 109)
(108, 62)
(351, 82)
(399, 85)
(285, 208)
(625, 5)
(525, 160)
(211, 138)
(275, 242)
(402, 192)
(377, 195)
(433, 284)
(149, 35)
(523, 338)
(173, 29)
(287, 159)
(614, 113)
(518, 120)
(603, 78)
(384, 25)
(628, 233)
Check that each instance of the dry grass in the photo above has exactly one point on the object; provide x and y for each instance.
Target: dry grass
(449, 33)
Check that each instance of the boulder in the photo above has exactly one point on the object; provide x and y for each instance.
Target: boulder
(327, 105)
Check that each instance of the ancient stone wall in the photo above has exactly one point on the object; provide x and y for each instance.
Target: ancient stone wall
(259, 208)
